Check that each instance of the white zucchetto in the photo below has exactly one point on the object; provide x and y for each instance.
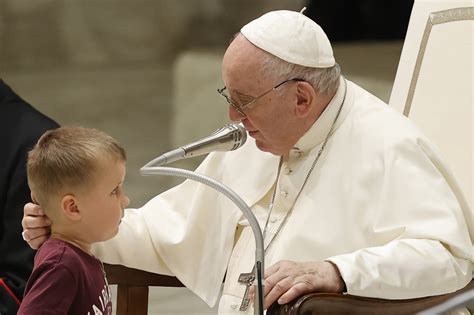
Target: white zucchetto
(291, 36)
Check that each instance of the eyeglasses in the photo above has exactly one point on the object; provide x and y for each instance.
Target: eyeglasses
(240, 108)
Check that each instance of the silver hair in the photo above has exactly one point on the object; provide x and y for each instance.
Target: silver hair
(323, 80)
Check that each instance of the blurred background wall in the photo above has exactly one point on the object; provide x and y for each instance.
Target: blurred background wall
(146, 71)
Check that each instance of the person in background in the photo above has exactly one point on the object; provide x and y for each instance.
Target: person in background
(76, 176)
(21, 125)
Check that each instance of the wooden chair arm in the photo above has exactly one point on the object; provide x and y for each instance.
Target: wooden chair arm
(132, 289)
(121, 275)
(332, 303)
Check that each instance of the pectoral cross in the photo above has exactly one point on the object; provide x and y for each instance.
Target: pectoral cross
(247, 279)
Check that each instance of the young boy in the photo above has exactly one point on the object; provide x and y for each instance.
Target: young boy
(76, 175)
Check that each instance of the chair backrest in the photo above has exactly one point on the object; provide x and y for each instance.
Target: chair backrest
(434, 83)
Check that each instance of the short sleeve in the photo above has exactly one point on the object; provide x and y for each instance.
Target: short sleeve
(50, 290)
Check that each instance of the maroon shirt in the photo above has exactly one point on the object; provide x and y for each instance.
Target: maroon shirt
(66, 280)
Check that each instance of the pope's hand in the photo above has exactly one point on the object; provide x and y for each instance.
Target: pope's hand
(287, 280)
(36, 225)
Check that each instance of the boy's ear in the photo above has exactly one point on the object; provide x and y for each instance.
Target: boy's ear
(70, 208)
(33, 198)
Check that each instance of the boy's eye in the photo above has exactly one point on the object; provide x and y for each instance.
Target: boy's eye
(115, 191)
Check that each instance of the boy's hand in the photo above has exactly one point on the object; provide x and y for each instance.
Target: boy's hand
(36, 225)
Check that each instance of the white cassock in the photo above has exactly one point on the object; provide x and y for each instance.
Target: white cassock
(377, 204)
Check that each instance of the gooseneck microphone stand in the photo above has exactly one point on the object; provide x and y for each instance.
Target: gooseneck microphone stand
(149, 169)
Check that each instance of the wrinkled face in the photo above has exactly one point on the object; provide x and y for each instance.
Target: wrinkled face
(102, 204)
(271, 120)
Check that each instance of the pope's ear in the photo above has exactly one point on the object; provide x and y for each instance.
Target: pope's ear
(305, 96)
(70, 208)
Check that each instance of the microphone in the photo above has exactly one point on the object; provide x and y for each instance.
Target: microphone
(227, 138)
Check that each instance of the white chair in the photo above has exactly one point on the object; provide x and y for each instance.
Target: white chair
(434, 85)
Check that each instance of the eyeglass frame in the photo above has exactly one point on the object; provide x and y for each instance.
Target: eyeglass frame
(240, 108)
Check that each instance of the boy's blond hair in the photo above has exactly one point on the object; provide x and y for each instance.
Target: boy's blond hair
(66, 158)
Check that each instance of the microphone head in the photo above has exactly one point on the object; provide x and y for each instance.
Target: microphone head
(227, 138)
(238, 134)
